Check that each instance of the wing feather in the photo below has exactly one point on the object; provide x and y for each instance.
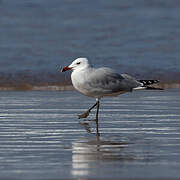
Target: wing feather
(108, 81)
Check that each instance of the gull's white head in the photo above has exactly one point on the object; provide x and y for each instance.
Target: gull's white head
(79, 63)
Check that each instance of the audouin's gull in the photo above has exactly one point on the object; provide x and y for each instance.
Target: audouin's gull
(100, 82)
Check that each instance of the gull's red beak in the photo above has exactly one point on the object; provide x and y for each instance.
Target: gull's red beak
(65, 69)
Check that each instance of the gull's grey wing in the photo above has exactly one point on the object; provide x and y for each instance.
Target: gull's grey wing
(107, 81)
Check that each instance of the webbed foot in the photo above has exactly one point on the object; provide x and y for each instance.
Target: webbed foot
(84, 115)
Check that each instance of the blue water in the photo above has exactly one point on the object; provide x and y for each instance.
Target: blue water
(41, 136)
(40, 36)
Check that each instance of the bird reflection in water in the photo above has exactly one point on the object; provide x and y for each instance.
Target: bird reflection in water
(87, 153)
(87, 126)
(89, 129)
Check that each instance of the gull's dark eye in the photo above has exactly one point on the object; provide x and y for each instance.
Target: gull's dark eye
(78, 63)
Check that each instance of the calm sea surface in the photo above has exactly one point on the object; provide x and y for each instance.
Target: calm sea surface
(40, 134)
(137, 37)
(42, 138)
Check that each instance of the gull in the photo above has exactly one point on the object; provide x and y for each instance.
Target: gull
(101, 82)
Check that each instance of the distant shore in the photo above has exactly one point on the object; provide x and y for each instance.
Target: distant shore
(69, 87)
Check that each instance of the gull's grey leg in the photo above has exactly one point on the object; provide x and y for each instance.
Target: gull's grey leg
(86, 114)
(97, 125)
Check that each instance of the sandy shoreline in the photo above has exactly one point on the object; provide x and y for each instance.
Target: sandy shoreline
(69, 87)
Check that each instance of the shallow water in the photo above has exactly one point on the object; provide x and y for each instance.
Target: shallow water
(42, 138)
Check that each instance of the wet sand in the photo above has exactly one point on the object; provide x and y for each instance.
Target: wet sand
(67, 86)
(42, 138)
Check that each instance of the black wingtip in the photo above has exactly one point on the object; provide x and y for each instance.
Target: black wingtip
(148, 82)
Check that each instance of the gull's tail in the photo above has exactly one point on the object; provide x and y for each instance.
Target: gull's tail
(146, 83)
